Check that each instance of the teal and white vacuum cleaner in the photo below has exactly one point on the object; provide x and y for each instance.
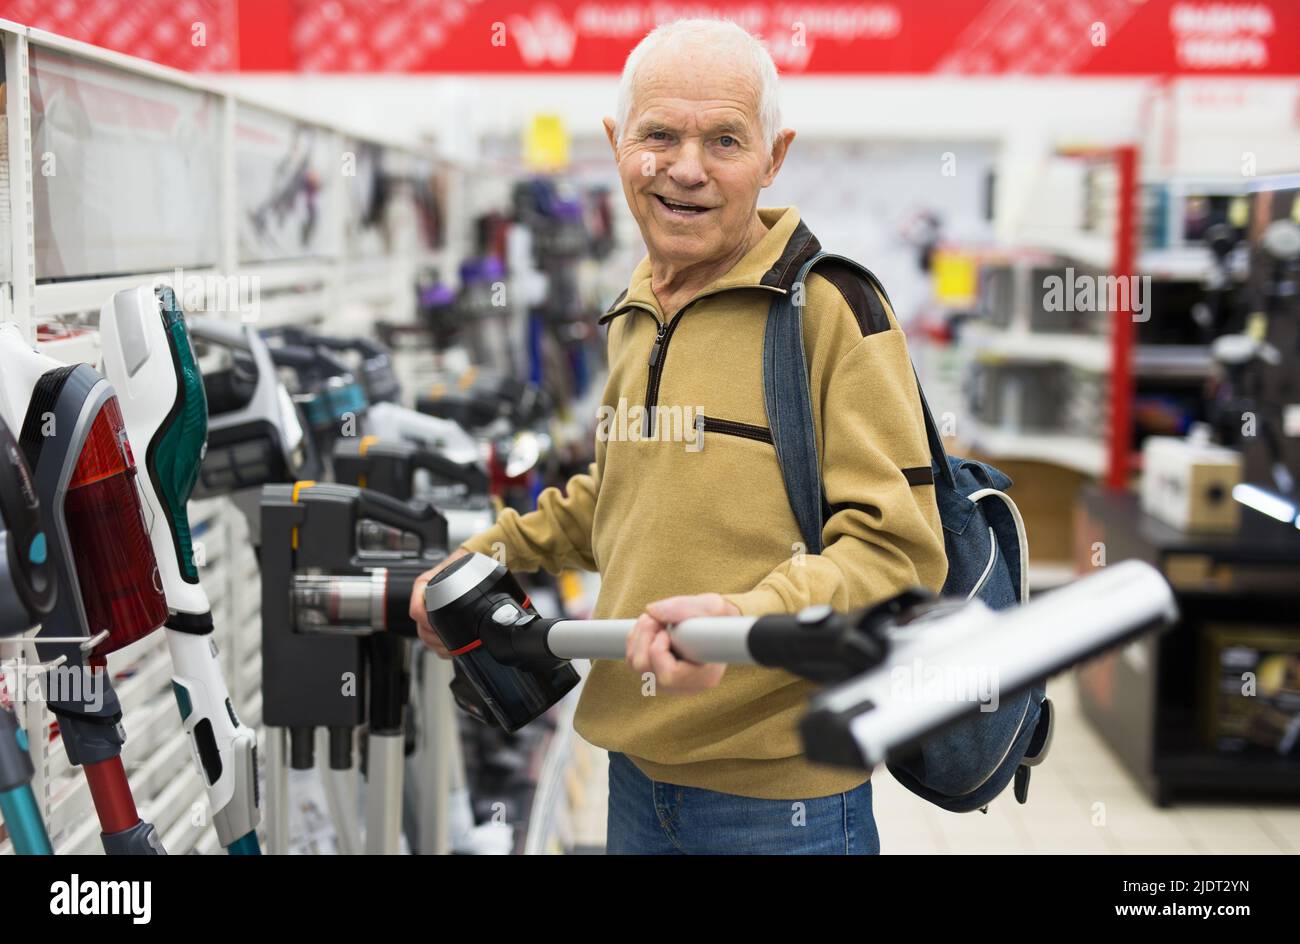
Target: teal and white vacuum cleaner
(150, 361)
(27, 591)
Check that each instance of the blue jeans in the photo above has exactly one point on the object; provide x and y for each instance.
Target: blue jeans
(651, 818)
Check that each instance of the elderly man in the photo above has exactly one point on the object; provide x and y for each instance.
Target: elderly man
(691, 518)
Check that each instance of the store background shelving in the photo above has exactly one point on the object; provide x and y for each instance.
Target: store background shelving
(1082, 207)
(352, 286)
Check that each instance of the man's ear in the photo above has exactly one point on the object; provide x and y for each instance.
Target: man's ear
(609, 133)
(779, 149)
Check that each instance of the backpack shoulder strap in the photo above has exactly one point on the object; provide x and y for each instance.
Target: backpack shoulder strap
(788, 400)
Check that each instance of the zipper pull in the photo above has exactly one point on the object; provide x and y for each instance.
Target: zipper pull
(658, 345)
(699, 432)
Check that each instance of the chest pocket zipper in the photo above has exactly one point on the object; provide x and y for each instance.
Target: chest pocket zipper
(711, 424)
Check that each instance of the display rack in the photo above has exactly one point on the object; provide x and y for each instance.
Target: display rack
(1110, 245)
(1110, 354)
(345, 286)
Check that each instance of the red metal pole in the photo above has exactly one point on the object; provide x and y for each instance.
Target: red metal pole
(1121, 331)
(112, 795)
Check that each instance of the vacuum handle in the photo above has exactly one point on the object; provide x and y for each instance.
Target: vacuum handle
(300, 337)
(230, 388)
(363, 346)
(294, 357)
(464, 473)
(311, 364)
(216, 331)
(418, 518)
(22, 541)
(701, 639)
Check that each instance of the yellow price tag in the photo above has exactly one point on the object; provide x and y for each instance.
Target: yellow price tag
(546, 144)
(953, 276)
(1239, 212)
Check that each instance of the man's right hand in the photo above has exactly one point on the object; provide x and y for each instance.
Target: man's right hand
(418, 612)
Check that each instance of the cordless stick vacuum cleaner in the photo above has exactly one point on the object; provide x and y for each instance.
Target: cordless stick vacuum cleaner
(110, 593)
(517, 661)
(395, 468)
(480, 398)
(385, 416)
(883, 713)
(339, 413)
(338, 563)
(150, 362)
(414, 453)
(27, 591)
(331, 397)
(375, 362)
(405, 470)
(445, 437)
(256, 434)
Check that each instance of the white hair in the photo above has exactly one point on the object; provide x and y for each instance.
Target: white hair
(712, 34)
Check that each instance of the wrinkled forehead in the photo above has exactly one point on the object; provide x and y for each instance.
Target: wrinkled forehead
(698, 83)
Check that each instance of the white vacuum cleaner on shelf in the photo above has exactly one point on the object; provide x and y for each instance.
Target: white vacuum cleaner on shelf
(148, 358)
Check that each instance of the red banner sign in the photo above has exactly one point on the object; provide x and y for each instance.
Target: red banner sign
(969, 37)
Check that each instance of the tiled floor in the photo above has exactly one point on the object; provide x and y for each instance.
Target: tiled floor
(1081, 801)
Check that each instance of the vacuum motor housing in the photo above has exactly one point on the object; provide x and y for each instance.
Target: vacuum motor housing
(472, 592)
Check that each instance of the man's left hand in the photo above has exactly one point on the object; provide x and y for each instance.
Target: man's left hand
(649, 645)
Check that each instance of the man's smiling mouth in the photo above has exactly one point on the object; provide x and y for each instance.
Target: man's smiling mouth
(683, 209)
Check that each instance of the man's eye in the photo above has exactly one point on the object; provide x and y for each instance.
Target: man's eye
(726, 140)
(658, 135)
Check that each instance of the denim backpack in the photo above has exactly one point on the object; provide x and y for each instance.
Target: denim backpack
(966, 765)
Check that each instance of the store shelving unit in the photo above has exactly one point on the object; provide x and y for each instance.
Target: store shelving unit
(1113, 354)
(345, 283)
(1110, 354)
(1074, 452)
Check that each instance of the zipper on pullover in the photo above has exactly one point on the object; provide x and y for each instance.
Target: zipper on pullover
(657, 352)
(711, 424)
(658, 345)
(659, 349)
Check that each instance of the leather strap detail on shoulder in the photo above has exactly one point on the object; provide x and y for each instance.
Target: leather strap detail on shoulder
(859, 293)
(614, 309)
(799, 248)
(919, 475)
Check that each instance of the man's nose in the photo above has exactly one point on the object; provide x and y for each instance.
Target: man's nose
(687, 167)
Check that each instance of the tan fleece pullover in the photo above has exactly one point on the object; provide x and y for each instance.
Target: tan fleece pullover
(680, 511)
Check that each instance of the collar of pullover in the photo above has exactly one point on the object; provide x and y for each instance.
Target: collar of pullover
(771, 264)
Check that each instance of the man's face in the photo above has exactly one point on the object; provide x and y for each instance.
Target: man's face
(692, 158)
